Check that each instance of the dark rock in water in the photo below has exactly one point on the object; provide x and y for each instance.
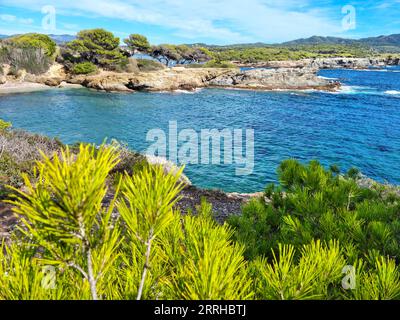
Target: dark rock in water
(383, 148)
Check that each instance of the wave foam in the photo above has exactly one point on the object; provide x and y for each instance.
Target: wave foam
(392, 92)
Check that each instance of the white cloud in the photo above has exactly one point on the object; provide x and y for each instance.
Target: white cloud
(224, 21)
(13, 19)
(8, 18)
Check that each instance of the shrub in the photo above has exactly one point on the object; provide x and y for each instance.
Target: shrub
(33, 60)
(152, 253)
(18, 154)
(147, 65)
(71, 222)
(206, 263)
(84, 68)
(314, 203)
(35, 40)
(309, 277)
(219, 64)
(64, 213)
(4, 125)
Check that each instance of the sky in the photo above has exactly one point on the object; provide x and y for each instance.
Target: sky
(205, 21)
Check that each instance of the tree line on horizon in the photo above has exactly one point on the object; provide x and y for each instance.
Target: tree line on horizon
(99, 48)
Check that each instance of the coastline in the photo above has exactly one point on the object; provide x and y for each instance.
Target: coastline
(279, 76)
(173, 79)
(22, 87)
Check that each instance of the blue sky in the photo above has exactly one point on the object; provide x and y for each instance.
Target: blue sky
(209, 21)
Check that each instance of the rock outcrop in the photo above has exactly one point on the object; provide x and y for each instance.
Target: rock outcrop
(180, 78)
(275, 79)
(162, 80)
(189, 79)
(325, 63)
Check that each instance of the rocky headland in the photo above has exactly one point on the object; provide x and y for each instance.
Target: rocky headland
(178, 78)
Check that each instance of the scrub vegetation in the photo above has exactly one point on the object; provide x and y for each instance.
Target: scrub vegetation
(318, 235)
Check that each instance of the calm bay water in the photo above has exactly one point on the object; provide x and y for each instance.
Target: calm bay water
(360, 126)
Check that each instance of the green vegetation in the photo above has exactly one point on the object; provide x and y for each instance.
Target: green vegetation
(359, 226)
(4, 125)
(97, 46)
(151, 253)
(107, 236)
(181, 54)
(35, 40)
(314, 203)
(219, 64)
(19, 152)
(84, 68)
(275, 53)
(146, 65)
(137, 42)
(32, 52)
(18, 155)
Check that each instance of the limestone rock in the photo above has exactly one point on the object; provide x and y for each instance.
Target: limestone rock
(275, 79)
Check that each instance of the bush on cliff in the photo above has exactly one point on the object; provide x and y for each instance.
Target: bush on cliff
(219, 64)
(33, 60)
(146, 65)
(84, 68)
(35, 40)
(18, 154)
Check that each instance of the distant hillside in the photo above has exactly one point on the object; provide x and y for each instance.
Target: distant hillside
(390, 43)
(316, 40)
(59, 39)
(63, 38)
(391, 40)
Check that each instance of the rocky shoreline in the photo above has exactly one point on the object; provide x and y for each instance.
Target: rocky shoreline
(326, 63)
(178, 78)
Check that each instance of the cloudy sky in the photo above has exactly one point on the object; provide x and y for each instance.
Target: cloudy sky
(209, 21)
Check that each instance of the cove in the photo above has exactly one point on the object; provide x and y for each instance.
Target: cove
(359, 126)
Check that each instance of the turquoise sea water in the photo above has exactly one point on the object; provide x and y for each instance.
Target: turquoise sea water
(359, 126)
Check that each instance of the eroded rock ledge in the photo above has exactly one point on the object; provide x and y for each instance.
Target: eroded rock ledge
(180, 78)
